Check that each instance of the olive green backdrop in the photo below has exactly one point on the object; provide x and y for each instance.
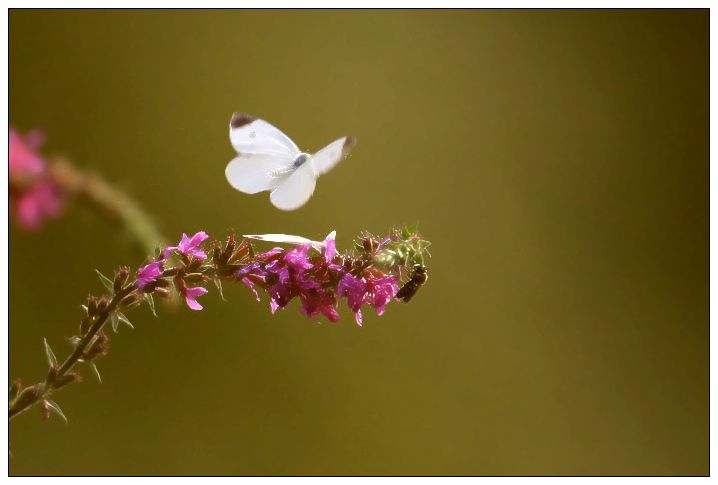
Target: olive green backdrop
(558, 161)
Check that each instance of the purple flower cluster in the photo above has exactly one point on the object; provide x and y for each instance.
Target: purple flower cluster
(318, 281)
(188, 248)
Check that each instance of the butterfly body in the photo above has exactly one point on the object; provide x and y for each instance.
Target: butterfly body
(267, 159)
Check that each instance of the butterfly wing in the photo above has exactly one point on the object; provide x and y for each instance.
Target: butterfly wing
(254, 137)
(325, 159)
(297, 240)
(250, 174)
(296, 189)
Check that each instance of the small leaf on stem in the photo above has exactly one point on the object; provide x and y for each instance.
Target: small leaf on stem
(123, 319)
(218, 284)
(106, 282)
(151, 303)
(50, 355)
(94, 368)
(114, 321)
(52, 405)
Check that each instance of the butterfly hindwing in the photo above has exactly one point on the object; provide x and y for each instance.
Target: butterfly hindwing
(296, 190)
(255, 174)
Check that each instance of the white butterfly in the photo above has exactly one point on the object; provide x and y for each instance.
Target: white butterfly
(267, 159)
(297, 240)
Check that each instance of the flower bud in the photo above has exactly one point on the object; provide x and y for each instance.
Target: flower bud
(92, 306)
(65, 380)
(129, 302)
(120, 279)
(98, 347)
(163, 293)
(196, 278)
(370, 245)
(102, 305)
(14, 389)
(259, 280)
(372, 272)
(216, 252)
(27, 396)
(244, 250)
(51, 374)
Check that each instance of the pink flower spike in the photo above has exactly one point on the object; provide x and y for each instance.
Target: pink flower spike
(191, 295)
(188, 246)
(22, 159)
(37, 197)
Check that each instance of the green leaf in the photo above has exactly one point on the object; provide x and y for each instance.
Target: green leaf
(405, 233)
(218, 284)
(94, 368)
(413, 229)
(151, 303)
(50, 356)
(114, 320)
(107, 283)
(124, 320)
(53, 405)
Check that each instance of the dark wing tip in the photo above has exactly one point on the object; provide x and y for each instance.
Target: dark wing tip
(348, 145)
(241, 119)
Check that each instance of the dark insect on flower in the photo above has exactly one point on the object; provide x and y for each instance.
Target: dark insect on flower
(418, 278)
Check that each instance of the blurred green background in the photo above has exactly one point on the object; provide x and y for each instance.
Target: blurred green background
(557, 160)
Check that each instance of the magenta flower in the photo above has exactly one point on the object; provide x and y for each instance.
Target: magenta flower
(297, 259)
(381, 291)
(191, 295)
(188, 246)
(375, 291)
(314, 302)
(330, 248)
(149, 273)
(256, 272)
(354, 290)
(34, 196)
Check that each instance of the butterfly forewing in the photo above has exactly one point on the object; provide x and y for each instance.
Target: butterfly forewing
(255, 137)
